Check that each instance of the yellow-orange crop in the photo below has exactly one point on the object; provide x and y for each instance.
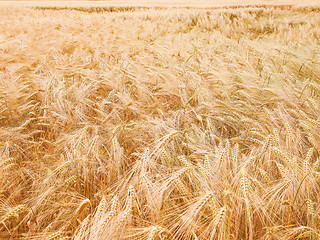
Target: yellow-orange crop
(160, 123)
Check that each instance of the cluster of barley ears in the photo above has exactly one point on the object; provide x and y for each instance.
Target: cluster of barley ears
(160, 123)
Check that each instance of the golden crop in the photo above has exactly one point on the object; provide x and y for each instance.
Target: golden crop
(160, 123)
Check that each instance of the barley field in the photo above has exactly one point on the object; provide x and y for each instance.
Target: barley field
(160, 123)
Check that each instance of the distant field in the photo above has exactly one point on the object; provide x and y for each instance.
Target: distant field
(151, 122)
(199, 3)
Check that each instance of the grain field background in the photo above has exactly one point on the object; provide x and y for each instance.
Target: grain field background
(160, 122)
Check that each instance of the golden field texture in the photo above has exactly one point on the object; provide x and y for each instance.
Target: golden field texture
(160, 123)
(151, 3)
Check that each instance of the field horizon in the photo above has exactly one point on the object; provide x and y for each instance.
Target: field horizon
(156, 3)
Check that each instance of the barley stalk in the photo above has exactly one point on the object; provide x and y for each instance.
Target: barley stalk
(13, 212)
(310, 207)
(183, 159)
(244, 183)
(284, 157)
(83, 228)
(306, 162)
